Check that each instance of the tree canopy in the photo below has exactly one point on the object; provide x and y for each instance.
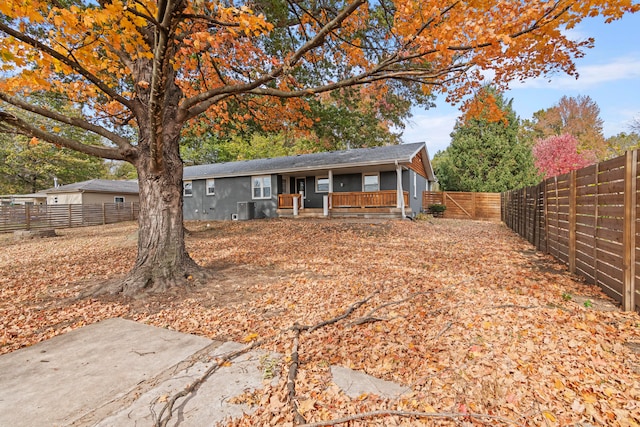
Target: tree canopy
(560, 154)
(139, 71)
(618, 144)
(577, 116)
(485, 153)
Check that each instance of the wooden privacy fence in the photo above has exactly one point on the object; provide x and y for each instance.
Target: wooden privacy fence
(462, 205)
(587, 219)
(31, 217)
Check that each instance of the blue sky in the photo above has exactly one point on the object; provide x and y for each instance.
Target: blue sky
(609, 74)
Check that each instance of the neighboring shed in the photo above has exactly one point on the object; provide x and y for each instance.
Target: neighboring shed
(95, 191)
(367, 182)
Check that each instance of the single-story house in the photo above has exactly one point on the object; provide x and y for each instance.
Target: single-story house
(94, 191)
(367, 182)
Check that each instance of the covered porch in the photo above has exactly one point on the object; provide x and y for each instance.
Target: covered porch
(366, 192)
(377, 204)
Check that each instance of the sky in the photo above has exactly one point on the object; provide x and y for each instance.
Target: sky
(609, 74)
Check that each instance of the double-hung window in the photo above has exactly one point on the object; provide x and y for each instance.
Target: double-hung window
(211, 187)
(187, 188)
(371, 182)
(322, 184)
(261, 186)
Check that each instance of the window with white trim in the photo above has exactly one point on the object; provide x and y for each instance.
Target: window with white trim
(211, 187)
(261, 186)
(187, 188)
(322, 184)
(118, 199)
(371, 182)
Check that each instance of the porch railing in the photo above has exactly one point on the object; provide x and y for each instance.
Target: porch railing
(373, 199)
(285, 201)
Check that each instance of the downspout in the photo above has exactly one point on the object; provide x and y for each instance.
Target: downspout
(400, 196)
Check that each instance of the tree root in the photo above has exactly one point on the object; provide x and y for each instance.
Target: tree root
(147, 279)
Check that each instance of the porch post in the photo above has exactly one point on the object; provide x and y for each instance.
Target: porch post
(330, 187)
(400, 195)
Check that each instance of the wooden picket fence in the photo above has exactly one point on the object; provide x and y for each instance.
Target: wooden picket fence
(587, 219)
(34, 217)
(465, 205)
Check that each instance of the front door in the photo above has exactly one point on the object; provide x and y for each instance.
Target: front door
(300, 189)
(300, 182)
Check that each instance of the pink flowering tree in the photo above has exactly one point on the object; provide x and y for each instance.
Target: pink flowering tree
(559, 154)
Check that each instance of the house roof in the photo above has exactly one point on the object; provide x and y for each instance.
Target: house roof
(360, 157)
(97, 186)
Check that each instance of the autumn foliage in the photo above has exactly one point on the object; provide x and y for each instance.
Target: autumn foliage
(463, 313)
(557, 155)
(139, 72)
(577, 116)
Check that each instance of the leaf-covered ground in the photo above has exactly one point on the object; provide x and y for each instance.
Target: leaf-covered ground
(465, 313)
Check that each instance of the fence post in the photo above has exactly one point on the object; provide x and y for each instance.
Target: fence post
(104, 214)
(629, 230)
(546, 217)
(473, 205)
(572, 221)
(27, 215)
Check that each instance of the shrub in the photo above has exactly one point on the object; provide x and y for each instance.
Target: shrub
(437, 208)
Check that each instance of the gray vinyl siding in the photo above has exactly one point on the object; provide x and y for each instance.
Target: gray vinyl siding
(347, 183)
(388, 181)
(421, 184)
(311, 198)
(224, 203)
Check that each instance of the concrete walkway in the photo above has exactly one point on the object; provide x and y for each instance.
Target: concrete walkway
(120, 373)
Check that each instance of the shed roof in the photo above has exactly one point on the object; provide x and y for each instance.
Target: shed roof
(359, 157)
(97, 186)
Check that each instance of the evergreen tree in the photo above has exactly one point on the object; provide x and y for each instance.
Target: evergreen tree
(485, 152)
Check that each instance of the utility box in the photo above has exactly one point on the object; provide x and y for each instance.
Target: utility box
(246, 210)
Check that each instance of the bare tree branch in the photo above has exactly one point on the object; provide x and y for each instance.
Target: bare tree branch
(34, 131)
(121, 142)
(291, 377)
(168, 407)
(200, 103)
(410, 414)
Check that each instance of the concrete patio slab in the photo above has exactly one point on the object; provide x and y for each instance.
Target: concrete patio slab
(121, 373)
(212, 402)
(355, 384)
(57, 381)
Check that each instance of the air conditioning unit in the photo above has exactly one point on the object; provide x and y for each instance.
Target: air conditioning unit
(246, 210)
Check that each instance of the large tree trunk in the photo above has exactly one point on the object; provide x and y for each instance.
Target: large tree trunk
(162, 261)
